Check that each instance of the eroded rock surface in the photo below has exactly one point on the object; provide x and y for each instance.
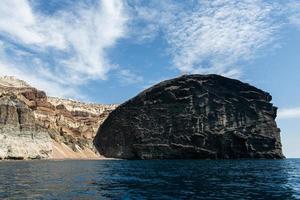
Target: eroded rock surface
(20, 136)
(71, 125)
(193, 116)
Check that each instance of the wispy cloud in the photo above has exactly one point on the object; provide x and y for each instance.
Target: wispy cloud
(218, 34)
(128, 77)
(65, 49)
(289, 113)
(294, 13)
(213, 36)
(69, 47)
(52, 88)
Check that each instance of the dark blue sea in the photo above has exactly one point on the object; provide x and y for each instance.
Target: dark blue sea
(167, 179)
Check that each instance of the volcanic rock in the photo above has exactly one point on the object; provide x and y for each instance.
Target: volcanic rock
(68, 125)
(193, 117)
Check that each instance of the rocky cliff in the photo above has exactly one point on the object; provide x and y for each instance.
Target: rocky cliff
(20, 135)
(193, 116)
(36, 126)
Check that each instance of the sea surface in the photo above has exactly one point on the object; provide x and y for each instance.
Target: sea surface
(167, 179)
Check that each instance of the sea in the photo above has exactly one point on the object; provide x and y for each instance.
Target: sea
(150, 179)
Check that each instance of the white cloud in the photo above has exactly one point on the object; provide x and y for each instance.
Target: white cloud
(289, 113)
(18, 21)
(294, 13)
(213, 36)
(127, 77)
(67, 48)
(33, 79)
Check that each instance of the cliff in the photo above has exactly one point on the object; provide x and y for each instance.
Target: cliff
(193, 116)
(20, 136)
(55, 128)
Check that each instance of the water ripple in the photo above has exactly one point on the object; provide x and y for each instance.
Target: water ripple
(168, 179)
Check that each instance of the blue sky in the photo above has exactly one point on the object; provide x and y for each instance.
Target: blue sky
(107, 51)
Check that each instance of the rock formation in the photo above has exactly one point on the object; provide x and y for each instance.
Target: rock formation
(193, 116)
(20, 136)
(10, 81)
(68, 126)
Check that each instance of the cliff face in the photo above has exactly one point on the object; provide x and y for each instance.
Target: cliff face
(69, 126)
(194, 116)
(77, 118)
(20, 136)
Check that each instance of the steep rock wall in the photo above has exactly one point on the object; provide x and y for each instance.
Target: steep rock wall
(71, 125)
(193, 116)
(20, 136)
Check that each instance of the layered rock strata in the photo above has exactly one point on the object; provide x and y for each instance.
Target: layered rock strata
(70, 125)
(20, 136)
(193, 117)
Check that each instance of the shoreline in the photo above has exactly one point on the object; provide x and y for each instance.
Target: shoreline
(64, 159)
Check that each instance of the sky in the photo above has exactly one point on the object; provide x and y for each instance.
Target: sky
(107, 51)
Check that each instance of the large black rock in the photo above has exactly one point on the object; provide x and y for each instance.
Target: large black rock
(193, 117)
